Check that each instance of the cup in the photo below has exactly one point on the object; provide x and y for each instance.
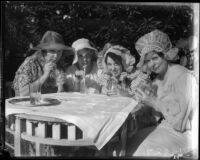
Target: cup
(35, 94)
(60, 79)
(112, 86)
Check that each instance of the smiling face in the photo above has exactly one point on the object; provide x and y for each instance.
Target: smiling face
(156, 62)
(114, 66)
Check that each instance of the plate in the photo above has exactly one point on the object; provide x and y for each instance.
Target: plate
(26, 102)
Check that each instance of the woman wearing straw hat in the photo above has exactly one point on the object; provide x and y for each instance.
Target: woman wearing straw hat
(39, 69)
(82, 76)
(175, 99)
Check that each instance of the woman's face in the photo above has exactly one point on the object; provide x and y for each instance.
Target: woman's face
(114, 67)
(53, 55)
(85, 57)
(156, 63)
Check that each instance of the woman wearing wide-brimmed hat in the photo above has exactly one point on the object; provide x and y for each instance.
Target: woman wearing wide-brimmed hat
(39, 68)
(84, 66)
(175, 98)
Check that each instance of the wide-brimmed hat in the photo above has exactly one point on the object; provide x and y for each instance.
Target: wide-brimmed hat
(155, 41)
(52, 41)
(128, 60)
(82, 43)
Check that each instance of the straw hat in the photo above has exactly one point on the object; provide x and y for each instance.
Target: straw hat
(155, 41)
(51, 41)
(81, 44)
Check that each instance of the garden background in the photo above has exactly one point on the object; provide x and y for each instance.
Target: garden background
(24, 23)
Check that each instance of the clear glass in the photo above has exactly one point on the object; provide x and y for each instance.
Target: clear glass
(35, 93)
(112, 86)
(60, 75)
(83, 88)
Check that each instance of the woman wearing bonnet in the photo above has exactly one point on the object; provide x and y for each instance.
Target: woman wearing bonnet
(40, 68)
(117, 63)
(84, 66)
(175, 99)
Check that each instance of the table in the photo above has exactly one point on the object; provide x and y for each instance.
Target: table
(95, 117)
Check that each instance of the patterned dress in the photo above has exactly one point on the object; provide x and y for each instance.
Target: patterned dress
(29, 71)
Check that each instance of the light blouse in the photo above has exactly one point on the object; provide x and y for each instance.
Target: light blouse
(74, 83)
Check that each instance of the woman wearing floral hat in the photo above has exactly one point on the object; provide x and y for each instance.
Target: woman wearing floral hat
(117, 61)
(175, 98)
(82, 75)
(39, 69)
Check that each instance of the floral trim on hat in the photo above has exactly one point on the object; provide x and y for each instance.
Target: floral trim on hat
(155, 41)
(128, 60)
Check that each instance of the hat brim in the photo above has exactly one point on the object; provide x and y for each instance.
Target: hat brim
(51, 47)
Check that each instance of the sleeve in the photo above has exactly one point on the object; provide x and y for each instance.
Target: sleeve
(26, 73)
(178, 103)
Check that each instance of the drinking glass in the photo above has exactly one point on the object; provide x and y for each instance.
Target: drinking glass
(35, 94)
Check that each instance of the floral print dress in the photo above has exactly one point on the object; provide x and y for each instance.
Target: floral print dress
(29, 71)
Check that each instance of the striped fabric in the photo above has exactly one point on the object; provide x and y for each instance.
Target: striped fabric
(141, 78)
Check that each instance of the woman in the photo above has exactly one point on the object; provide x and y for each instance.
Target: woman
(175, 99)
(117, 61)
(82, 76)
(39, 69)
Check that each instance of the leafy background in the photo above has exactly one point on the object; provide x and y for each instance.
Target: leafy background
(101, 22)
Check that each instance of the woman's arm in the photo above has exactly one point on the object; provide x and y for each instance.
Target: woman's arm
(24, 90)
(28, 74)
(177, 104)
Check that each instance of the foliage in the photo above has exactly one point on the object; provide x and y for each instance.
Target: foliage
(25, 22)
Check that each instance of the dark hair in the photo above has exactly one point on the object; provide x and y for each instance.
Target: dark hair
(116, 58)
(44, 53)
(160, 54)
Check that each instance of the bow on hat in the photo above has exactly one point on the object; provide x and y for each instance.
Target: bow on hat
(155, 41)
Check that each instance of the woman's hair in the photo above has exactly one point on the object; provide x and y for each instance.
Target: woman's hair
(116, 58)
(44, 53)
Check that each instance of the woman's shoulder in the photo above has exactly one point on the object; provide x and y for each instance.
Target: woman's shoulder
(178, 72)
(178, 68)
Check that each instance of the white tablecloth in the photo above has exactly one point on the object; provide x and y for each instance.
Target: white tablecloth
(98, 116)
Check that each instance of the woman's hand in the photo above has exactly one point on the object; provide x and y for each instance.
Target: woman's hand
(146, 98)
(123, 76)
(60, 80)
(109, 92)
(48, 67)
(79, 73)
